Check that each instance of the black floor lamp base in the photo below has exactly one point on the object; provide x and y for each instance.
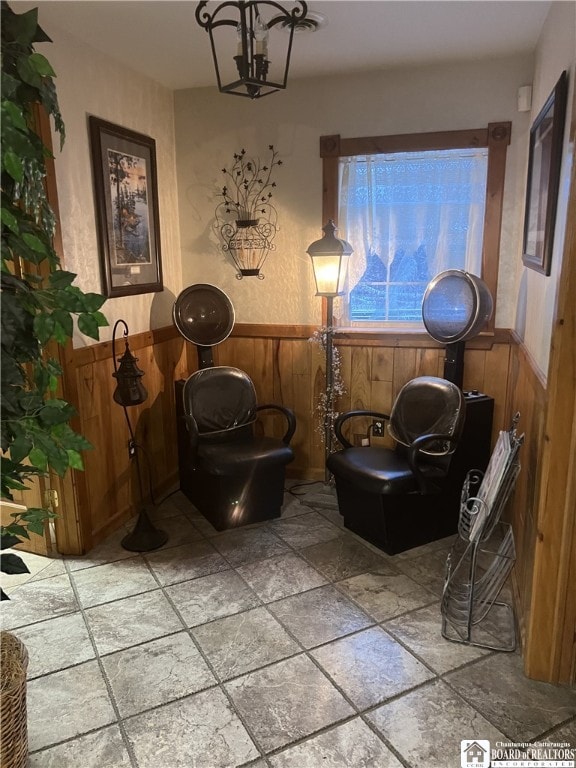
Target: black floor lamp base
(145, 536)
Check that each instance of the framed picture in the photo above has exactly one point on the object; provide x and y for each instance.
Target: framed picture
(544, 164)
(126, 190)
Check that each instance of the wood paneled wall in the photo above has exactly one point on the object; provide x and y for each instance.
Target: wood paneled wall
(286, 367)
(107, 491)
(527, 395)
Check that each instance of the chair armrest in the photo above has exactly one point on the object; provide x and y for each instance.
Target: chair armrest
(192, 428)
(290, 418)
(343, 418)
(414, 455)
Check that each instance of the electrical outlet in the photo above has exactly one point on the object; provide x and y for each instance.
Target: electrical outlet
(131, 448)
(378, 428)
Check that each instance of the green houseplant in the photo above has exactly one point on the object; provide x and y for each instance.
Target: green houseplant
(39, 299)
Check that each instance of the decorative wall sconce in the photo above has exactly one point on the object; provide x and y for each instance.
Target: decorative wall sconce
(246, 218)
(243, 36)
(130, 391)
(330, 256)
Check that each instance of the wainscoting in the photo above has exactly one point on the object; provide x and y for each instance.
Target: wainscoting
(288, 368)
(528, 397)
(107, 491)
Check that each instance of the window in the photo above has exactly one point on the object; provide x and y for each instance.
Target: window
(413, 206)
(410, 216)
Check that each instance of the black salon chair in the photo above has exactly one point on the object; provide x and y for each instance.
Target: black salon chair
(231, 474)
(402, 497)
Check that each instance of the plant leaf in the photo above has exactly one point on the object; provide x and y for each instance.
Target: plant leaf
(44, 327)
(27, 72)
(36, 527)
(11, 563)
(88, 325)
(101, 319)
(18, 530)
(63, 325)
(41, 65)
(13, 165)
(8, 540)
(61, 279)
(75, 459)
(35, 243)
(38, 459)
(9, 220)
(93, 301)
(20, 448)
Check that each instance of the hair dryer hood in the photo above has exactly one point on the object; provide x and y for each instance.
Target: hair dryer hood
(203, 314)
(456, 306)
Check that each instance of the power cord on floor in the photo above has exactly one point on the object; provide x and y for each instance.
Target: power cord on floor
(294, 488)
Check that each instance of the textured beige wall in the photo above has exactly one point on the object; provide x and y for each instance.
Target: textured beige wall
(210, 127)
(89, 83)
(536, 293)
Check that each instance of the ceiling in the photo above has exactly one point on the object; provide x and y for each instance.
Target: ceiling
(161, 39)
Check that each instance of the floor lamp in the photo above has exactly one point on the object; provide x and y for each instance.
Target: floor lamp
(329, 257)
(130, 391)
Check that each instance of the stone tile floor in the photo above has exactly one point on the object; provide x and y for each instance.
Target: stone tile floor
(290, 644)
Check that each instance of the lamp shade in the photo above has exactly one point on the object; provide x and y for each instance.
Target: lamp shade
(129, 390)
(330, 256)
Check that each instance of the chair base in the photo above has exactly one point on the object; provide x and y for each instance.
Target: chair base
(397, 523)
(235, 500)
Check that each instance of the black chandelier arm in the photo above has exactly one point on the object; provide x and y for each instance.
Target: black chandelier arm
(208, 20)
(293, 16)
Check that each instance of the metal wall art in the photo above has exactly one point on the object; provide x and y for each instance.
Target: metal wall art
(246, 218)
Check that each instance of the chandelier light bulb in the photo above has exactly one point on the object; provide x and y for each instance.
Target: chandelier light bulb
(239, 40)
(261, 37)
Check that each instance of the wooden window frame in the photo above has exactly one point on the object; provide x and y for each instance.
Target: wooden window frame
(496, 137)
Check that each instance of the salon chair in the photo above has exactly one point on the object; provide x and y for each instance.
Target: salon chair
(233, 475)
(401, 497)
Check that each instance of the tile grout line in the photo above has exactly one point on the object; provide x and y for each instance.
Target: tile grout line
(109, 689)
(304, 652)
(221, 682)
(218, 683)
(307, 652)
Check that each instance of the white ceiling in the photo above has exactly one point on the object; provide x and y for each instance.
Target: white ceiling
(161, 38)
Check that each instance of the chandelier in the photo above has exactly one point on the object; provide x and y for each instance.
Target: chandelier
(239, 36)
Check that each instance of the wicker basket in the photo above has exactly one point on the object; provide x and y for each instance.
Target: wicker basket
(13, 726)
